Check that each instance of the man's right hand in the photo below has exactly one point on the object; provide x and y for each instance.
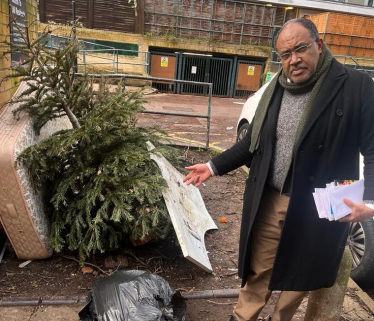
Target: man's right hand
(199, 174)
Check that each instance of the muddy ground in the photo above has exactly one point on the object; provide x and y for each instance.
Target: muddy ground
(62, 276)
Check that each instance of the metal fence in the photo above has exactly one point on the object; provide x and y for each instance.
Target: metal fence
(116, 58)
(104, 57)
(209, 86)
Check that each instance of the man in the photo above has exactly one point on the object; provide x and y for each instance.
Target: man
(310, 125)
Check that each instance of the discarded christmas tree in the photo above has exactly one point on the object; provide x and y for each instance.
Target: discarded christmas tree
(100, 185)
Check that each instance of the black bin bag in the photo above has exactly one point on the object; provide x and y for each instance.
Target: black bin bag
(133, 296)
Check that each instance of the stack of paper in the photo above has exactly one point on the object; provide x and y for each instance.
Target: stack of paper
(329, 200)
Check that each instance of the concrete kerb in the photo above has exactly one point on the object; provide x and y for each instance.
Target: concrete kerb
(208, 294)
(363, 296)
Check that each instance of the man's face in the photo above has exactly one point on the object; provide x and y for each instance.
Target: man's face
(302, 64)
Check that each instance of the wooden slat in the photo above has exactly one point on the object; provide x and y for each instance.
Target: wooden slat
(118, 16)
(58, 11)
(42, 10)
(115, 15)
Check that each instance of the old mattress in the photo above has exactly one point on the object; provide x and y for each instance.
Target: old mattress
(21, 209)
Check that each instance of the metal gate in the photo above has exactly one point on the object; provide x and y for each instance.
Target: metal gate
(220, 72)
(194, 68)
(204, 68)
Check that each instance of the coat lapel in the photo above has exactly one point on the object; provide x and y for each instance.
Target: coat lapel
(329, 90)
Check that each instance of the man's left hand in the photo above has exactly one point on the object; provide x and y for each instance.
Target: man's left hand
(359, 212)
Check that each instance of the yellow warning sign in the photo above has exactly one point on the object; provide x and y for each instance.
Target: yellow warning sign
(164, 61)
(251, 70)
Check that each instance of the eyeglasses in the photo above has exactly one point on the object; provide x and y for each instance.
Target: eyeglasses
(299, 51)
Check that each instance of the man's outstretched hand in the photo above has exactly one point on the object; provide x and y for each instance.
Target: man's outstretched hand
(199, 173)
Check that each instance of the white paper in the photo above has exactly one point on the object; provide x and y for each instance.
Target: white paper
(329, 200)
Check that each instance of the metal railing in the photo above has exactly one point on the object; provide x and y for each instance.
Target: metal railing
(206, 116)
(114, 57)
(104, 55)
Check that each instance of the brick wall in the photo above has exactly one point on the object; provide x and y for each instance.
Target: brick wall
(7, 88)
(4, 61)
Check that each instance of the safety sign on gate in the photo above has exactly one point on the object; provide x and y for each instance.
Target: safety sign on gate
(251, 70)
(164, 61)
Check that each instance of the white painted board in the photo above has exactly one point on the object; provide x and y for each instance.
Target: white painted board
(188, 214)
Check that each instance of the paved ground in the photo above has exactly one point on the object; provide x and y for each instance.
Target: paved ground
(224, 114)
(192, 131)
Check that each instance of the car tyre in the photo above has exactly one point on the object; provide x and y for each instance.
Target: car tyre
(242, 131)
(361, 245)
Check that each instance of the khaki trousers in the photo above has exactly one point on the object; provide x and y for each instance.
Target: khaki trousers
(264, 243)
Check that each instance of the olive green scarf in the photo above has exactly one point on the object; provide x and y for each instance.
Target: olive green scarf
(313, 84)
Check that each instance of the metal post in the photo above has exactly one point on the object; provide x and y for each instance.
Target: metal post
(75, 63)
(84, 61)
(209, 112)
(117, 54)
(148, 59)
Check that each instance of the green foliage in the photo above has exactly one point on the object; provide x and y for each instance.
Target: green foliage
(53, 88)
(102, 185)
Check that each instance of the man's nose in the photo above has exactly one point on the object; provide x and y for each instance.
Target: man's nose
(294, 58)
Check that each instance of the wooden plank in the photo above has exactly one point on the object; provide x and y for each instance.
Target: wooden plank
(58, 11)
(42, 10)
(81, 12)
(139, 18)
(90, 9)
(120, 17)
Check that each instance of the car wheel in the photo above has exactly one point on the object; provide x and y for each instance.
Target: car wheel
(361, 245)
(242, 131)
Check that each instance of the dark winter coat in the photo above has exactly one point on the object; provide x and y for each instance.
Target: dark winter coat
(339, 126)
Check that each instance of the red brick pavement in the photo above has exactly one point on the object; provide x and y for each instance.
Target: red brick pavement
(192, 131)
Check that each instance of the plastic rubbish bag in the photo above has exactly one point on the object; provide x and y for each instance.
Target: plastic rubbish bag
(133, 296)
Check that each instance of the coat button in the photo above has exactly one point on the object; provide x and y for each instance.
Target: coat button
(321, 148)
(258, 152)
(312, 179)
(254, 179)
(339, 112)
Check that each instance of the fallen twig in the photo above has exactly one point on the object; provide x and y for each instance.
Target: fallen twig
(136, 258)
(230, 274)
(233, 261)
(86, 263)
(219, 303)
(33, 312)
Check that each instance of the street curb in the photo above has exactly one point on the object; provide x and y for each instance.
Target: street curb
(218, 293)
(20, 302)
(363, 296)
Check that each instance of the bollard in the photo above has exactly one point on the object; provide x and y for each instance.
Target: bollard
(326, 304)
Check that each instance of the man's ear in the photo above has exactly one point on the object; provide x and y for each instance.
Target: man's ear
(320, 44)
